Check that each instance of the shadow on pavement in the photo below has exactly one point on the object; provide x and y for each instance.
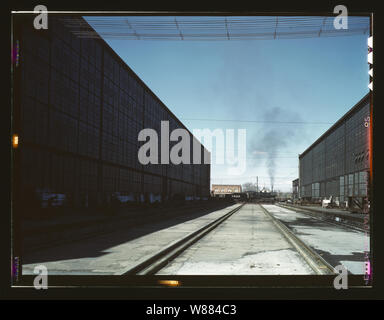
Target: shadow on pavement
(96, 245)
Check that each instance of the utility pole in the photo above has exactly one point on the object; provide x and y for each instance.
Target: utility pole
(257, 183)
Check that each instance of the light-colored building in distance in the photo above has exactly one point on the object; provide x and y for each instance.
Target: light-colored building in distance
(223, 189)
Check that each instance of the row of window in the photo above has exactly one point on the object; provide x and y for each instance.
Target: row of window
(351, 185)
(343, 150)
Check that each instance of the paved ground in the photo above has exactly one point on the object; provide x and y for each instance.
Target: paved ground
(116, 252)
(66, 226)
(336, 244)
(330, 211)
(247, 243)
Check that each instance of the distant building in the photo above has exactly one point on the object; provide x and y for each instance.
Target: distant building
(337, 164)
(223, 189)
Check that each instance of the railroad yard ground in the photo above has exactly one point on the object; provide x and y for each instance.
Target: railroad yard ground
(337, 244)
(115, 252)
(247, 243)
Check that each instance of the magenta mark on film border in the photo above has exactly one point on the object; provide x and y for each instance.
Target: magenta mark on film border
(15, 267)
(15, 53)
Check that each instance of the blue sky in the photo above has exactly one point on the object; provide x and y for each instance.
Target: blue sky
(297, 80)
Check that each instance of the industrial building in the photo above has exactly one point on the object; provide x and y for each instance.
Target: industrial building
(77, 110)
(337, 164)
(220, 190)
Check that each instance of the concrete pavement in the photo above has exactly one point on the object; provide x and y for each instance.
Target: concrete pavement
(247, 243)
(114, 253)
(336, 244)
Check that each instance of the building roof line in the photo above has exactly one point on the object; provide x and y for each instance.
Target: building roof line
(336, 124)
(145, 86)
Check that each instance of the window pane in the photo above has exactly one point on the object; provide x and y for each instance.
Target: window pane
(356, 187)
(363, 176)
(363, 189)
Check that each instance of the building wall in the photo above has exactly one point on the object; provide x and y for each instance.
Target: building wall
(80, 110)
(338, 163)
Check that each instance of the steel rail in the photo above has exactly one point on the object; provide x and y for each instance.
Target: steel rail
(314, 260)
(158, 261)
(324, 219)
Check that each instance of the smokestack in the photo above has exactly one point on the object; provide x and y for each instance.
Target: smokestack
(257, 183)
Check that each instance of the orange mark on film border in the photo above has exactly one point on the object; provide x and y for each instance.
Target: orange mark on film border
(170, 283)
(15, 140)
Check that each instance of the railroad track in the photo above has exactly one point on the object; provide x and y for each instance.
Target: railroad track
(155, 263)
(313, 259)
(324, 219)
(160, 260)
